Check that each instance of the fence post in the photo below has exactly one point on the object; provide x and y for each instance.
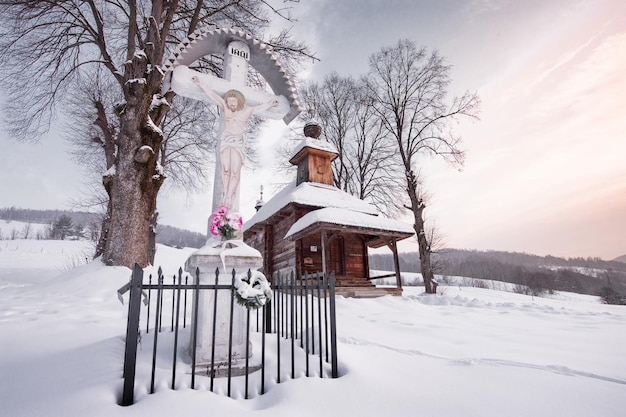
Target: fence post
(157, 326)
(148, 311)
(278, 288)
(307, 347)
(132, 335)
(292, 327)
(333, 326)
(319, 324)
(177, 290)
(194, 327)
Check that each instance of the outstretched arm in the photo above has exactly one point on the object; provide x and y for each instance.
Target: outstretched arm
(265, 106)
(208, 91)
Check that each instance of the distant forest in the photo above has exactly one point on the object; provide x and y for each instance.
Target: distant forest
(91, 222)
(538, 273)
(544, 273)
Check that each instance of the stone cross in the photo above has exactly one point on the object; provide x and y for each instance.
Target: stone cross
(237, 104)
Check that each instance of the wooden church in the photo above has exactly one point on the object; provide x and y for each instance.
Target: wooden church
(312, 226)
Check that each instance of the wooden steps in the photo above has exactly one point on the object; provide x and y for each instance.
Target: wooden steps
(364, 292)
(360, 287)
(349, 281)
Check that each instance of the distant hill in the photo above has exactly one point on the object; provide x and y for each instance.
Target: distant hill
(48, 216)
(167, 235)
(580, 275)
(175, 237)
(620, 259)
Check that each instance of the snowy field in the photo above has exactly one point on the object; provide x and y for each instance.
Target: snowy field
(464, 352)
(16, 229)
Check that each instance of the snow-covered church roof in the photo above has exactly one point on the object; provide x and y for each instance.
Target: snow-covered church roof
(336, 208)
(310, 194)
(349, 218)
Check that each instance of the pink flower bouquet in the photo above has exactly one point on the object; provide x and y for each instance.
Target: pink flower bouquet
(225, 224)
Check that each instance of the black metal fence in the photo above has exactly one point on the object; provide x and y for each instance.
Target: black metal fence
(294, 334)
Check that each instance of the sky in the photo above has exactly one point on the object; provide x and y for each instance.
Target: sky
(543, 171)
(466, 351)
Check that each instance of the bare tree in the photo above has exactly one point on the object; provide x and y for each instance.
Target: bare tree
(372, 160)
(189, 144)
(187, 150)
(47, 47)
(365, 162)
(91, 129)
(26, 230)
(409, 87)
(334, 104)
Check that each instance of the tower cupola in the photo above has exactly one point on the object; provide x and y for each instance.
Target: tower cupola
(313, 156)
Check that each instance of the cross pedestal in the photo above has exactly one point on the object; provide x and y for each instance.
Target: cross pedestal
(208, 259)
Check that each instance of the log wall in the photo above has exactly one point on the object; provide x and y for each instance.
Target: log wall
(346, 254)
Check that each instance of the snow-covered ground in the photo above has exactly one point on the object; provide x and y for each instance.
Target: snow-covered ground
(464, 352)
(17, 230)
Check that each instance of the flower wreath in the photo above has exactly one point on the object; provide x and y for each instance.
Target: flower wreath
(252, 290)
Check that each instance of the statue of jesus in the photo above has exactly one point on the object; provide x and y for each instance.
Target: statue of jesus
(233, 139)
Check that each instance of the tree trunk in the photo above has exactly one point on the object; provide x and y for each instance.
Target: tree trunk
(134, 189)
(104, 231)
(133, 201)
(424, 251)
(152, 236)
(417, 207)
(138, 175)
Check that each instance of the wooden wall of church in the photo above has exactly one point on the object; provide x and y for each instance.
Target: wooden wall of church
(355, 256)
(315, 167)
(311, 254)
(319, 168)
(256, 240)
(346, 254)
(283, 252)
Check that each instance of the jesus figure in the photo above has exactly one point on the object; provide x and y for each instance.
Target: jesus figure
(233, 139)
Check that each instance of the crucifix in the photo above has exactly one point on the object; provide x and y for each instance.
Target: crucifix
(237, 103)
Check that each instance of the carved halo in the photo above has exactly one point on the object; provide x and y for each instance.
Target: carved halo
(214, 41)
(238, 95)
